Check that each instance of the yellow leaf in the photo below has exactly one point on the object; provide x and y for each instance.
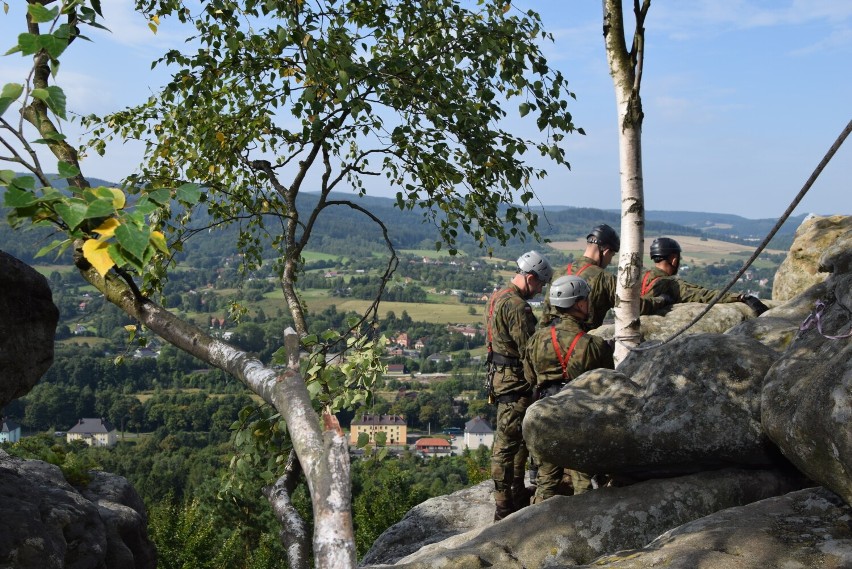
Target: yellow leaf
(159, 241)
(507, 7)
(118, 198)
(156, 19)
(212, 168)
(306, 40)
(130, 327)
(108, 227)
(221, 138)
(96, 253)
(152, 26)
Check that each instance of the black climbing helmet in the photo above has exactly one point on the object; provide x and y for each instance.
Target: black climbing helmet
(604, 236)
(662, 247)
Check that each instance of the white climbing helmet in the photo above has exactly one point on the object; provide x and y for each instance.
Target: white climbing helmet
(567, 290)
(533, 262)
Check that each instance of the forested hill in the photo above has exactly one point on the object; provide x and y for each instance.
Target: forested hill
(342, 230)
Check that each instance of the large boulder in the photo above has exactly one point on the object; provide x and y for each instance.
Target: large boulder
(800, 270)
(434, 520)
(571, 530)
(28, 320)
(807, 396)
(777, 327)
(46, 523)
(668, 321)
(691, 405)
(807, 528)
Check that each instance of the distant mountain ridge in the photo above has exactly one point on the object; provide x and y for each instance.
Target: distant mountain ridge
(342, 230)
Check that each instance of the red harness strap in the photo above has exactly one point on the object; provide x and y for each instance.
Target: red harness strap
(494, 298)
(647, 286)
(564, 361)
(583, 268)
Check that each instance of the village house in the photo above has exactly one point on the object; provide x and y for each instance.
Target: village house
(396, 370)
(393, 426)
(478, 432)
(10, 431)
(94, 432)
(433, 446)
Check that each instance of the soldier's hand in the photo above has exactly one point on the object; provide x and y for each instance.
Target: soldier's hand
(754, 303)
(664, 300)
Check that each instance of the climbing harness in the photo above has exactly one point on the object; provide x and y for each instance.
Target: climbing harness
(563, 361)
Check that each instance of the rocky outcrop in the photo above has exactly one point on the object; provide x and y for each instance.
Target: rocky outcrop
(435, 520)
(808, 528)
(47, 523)
(807, 397)
(571, 530)
(800, 270)
(672, 319)
(692, 405)
(28, 320)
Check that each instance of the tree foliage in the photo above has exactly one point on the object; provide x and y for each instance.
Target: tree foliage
(272, 98)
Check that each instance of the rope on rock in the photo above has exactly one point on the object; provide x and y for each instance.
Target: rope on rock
(814, 319)
(810, 182)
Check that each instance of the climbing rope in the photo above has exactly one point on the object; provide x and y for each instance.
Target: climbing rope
(810, 182)
(814, 319)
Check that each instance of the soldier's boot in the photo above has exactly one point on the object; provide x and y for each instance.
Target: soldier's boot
(520, 495)
(502, 509)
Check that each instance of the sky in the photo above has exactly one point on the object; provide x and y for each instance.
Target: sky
(742, 99)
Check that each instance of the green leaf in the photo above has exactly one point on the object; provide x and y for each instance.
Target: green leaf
(28, 44)
(40, 14)
(54, 98)
(67, 170)
(100, 208)
(363, 440)
(18, 198)
(160, 196)
(6, 177)
(72, 213)
(189, 193)
(133, 239)
(524, 109)
(51, 246)
(10, 93)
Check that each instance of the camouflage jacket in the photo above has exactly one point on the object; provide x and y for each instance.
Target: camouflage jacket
(601, 296)
(656, 282)
(543, 362)
(509, 322)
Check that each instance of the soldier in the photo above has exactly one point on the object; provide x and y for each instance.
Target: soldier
(509, 322)
(557, 354)
(602, 245)
(660, 280)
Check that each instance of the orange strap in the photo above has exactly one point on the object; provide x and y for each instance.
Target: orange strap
(647, 286)
(494, 298)
(583, 268)
(563, 361)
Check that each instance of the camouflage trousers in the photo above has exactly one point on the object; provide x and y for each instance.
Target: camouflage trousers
(550, 476)
(509, 453)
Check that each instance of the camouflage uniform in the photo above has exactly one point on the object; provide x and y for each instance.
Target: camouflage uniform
(543, 369)
(509, 323)
(657, 282)
(602, 296)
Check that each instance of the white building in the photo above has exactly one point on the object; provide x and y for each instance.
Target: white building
(10, 432)
(477, 432)
(95, 432)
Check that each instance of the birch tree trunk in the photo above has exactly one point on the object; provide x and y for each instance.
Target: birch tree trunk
(626, 71)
